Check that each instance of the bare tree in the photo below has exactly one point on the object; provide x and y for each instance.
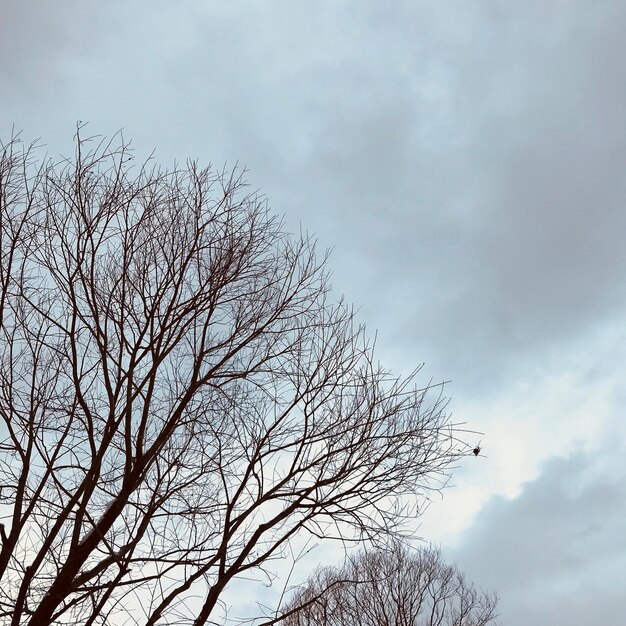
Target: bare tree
(394, 587)
(180, 395)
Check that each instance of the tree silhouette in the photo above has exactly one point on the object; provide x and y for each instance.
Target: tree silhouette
(394, 587)
(180, 395)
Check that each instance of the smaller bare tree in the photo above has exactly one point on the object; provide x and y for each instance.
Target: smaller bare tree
(394, 587)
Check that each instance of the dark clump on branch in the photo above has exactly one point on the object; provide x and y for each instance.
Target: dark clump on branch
(180, 395)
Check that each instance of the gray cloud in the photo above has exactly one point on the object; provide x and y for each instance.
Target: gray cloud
(555, 552)
(42, 45)
(496, 206)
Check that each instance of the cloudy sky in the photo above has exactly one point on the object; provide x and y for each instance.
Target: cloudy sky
(466, 162)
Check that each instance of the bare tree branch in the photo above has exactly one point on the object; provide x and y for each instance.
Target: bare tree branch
(180, 394)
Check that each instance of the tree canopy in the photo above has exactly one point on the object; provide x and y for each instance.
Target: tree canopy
(393, 587)
(180, 393)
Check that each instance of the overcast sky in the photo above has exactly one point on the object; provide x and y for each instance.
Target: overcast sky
(466, 161)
